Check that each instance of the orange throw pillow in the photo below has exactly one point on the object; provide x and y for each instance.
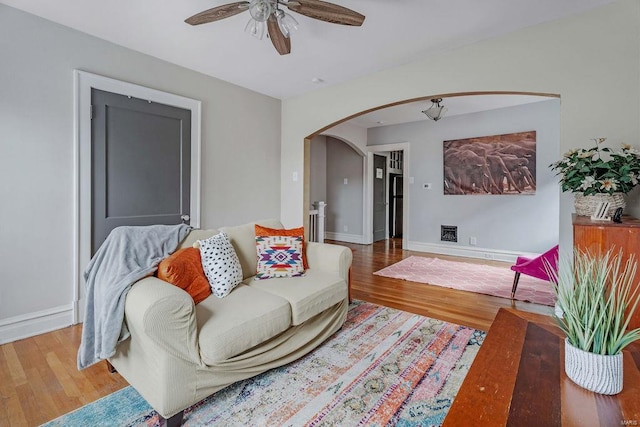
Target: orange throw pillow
(183, 268)
(265, 232)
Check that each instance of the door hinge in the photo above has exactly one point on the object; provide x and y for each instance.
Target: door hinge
(91, 112)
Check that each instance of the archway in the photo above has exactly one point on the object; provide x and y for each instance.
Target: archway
(330, 129)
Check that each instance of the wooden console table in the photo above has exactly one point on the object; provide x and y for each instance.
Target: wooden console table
(599, 237)
(518, 379)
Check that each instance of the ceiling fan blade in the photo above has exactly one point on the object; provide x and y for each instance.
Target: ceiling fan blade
(280, 42)
(325, 11)
(218, 13)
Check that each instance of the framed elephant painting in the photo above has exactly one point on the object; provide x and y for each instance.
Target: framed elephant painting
(497, 164)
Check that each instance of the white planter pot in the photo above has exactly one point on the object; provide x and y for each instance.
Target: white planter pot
(596, 372)
(586, 205)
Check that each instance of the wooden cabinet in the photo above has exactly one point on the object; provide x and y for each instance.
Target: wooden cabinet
(598, 236)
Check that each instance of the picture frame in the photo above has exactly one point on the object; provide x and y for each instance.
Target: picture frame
(491, 165)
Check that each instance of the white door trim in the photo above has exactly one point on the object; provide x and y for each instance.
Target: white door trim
(83, 83)
(368, 206)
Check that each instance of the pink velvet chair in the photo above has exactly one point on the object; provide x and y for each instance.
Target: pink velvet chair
(535, 267)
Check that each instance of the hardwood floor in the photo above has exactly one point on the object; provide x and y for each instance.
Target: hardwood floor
(39, 380)
(451, 305)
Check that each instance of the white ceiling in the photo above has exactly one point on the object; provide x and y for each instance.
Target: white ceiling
(458, 105)
(394, 33)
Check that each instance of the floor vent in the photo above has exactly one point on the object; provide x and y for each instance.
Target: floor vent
(449, 233)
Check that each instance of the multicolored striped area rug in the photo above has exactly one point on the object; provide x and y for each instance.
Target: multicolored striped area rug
(384, 367)
(466, 276)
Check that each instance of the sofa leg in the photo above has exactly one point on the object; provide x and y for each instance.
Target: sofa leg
(515, 285)
(110, 367)
(174, 421)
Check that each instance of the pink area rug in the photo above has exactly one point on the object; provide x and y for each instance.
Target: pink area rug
(483, 279)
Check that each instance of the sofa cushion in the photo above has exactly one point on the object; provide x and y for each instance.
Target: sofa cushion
(242, 320)
(220, 264)
(183, 268)
(279, 256)
(243, 239)
(308, 295)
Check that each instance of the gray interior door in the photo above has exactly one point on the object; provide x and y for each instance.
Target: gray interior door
(141, 163)
(379, 197)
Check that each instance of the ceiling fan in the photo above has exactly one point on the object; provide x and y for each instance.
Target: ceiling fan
(278, 22)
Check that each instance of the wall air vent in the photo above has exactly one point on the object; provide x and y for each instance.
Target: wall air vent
(449, 233)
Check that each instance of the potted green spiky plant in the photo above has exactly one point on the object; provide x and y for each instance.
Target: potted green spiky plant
(597, 296)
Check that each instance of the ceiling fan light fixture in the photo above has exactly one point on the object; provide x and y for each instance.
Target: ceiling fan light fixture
(260, 10)
(255, 28)
(267, 16)
(435, 111)
(286, 22)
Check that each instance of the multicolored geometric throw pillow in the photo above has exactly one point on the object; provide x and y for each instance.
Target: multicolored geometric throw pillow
(279, 256)
(265, 232)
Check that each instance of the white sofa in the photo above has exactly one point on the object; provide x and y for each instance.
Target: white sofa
(180, 353)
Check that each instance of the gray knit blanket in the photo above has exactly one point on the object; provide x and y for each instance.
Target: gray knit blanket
(126, 256)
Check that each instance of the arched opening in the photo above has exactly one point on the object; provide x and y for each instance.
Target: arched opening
(376, 137)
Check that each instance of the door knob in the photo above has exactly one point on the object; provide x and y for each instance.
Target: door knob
(185, 218)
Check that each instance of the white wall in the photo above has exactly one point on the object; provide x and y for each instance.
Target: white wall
(332, 160)
(240, 156)
(344, 201)
(354, 135)
(318, 169)
(527, 223)
(587, 59)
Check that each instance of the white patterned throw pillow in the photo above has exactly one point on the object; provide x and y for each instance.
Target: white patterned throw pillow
(220, 264)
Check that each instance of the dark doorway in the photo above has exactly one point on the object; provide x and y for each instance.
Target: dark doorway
(395, 205)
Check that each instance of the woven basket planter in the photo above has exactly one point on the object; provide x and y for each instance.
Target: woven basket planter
(586, 205)
(595, 372)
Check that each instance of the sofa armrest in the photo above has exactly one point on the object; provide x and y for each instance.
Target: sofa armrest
(166, 315)
(329, 257)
